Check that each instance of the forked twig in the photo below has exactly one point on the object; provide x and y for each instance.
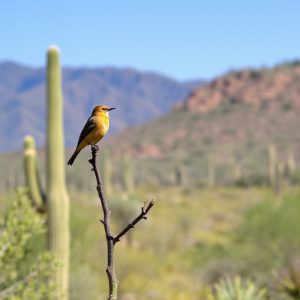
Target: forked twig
(143, 215)
(110, 239)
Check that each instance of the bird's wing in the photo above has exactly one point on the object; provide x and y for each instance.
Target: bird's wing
(88, 127)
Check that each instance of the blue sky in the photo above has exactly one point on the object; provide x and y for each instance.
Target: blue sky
(183, 39)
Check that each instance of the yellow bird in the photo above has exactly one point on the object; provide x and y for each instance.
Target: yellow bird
(94, 129)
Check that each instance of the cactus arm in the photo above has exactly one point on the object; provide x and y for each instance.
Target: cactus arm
(31, 175)
(128, 175)
(272, 165)
(211, 176)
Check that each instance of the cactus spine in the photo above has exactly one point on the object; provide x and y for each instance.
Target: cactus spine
(31, 174)
(57, 197)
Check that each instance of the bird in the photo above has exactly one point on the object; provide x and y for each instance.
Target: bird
(94, 129)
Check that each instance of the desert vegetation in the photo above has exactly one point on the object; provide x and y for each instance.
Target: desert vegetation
(225, 225)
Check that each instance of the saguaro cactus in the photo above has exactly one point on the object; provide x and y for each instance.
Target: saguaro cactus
(211, 181)
(107, 173)
(178, 175)
(291, 163)
(237, 169)
(56, 197)
(128, 175)
(272, 165)
(31, 174)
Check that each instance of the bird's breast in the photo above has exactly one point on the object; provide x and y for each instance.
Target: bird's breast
(102, 125)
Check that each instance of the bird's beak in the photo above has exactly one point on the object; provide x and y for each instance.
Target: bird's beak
(111, 108)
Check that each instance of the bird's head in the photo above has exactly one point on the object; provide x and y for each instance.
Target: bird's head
(101, 109)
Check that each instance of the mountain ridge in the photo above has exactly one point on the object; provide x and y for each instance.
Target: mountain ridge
(250, 86)
(233, 118)
(138, 96)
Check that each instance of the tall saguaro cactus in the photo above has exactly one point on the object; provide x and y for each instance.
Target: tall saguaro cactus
(291, 163)
(55, 201)
(57, 197)
(107, 173)
(128, 174)
(211, 173)
(272, 165)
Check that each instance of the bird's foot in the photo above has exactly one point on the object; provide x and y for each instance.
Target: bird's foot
(94, 147)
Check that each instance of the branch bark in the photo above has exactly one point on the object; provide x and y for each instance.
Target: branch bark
(143, 215)
(110, 239)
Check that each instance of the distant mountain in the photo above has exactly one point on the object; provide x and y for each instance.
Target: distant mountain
(233, 119)
(261, 87)
(227, 124)
(138, 96)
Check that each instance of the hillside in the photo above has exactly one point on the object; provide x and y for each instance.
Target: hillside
(227, 124)
(138, 96)
(231, 119)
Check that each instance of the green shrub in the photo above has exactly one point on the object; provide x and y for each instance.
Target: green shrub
(237, 289)
(25, 266)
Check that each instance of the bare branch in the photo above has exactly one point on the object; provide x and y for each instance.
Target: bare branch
(112, 279)
(110, 239)
(143, 215)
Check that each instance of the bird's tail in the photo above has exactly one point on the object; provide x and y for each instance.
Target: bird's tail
(74, 155)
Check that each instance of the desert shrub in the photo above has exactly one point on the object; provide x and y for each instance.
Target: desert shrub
(237, 289)
(287, 283)
(25, 265)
